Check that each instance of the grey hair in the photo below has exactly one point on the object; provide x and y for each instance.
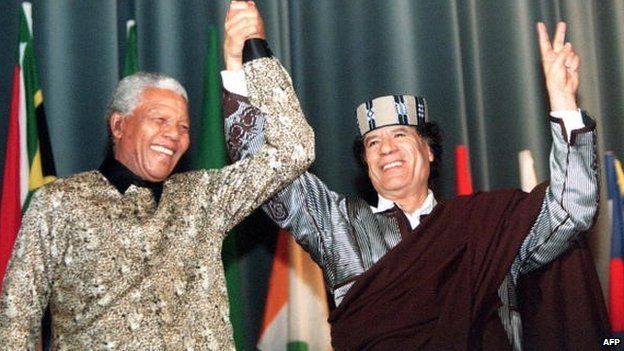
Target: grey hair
(126, 95)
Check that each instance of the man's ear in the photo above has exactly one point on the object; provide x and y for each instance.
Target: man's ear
(431, 157)
(116, 124)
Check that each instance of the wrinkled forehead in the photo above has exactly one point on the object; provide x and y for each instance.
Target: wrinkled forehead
(160, 98)
(390, 130)
(155, 93)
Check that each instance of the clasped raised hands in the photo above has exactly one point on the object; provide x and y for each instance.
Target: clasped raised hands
(242, 22)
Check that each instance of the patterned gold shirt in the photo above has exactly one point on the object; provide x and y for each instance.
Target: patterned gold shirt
(124, 272)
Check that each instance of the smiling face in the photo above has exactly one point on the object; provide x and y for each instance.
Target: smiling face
(398, 161)
(151, 139)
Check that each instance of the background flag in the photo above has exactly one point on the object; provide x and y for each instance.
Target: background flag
(28, 160)
(296, 311)
(463, 180)
(211, 139)
(615, 189)
(528, 178)
(131, 58)
(212, 154)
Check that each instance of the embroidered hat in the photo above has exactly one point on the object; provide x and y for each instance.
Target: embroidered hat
(391, 110)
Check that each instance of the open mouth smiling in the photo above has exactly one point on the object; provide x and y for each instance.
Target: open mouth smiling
(162, 149)
(391, 165)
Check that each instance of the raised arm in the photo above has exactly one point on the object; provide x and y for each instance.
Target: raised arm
(313, 214)
(307, 208)
(289, 141)
(571, 200)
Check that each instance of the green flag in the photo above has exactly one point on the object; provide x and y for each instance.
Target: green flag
(28, 162)
(211, 139)
(131, 59)
(212, 154)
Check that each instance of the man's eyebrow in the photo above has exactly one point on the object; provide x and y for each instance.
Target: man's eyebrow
(368, 137)
(152, 109)
(403, 128)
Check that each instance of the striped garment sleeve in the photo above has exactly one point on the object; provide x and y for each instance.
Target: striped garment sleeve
(571, 200)
(569, 207)
(316, 216)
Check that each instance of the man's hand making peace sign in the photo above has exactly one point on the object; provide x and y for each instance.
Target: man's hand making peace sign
(561, 65)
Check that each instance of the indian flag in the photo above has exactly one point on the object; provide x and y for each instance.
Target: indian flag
(296, 311)
(28, 161)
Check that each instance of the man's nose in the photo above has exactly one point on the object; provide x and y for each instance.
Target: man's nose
(387, 145)
(171, 131)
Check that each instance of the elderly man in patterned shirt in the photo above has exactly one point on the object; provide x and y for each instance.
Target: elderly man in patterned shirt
(412, 273)
(128, 257)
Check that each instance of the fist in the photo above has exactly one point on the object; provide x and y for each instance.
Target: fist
(242, 22)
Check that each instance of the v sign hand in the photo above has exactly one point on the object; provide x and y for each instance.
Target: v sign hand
(561, 65)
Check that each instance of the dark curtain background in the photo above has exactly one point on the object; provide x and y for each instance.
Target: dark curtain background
(477, 62)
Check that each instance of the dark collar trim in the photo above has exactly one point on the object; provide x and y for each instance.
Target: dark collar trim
(121, 177)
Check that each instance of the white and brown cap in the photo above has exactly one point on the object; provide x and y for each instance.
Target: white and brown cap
(391, 110)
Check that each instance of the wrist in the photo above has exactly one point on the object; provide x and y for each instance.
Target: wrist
(562, 103)
(233, 63)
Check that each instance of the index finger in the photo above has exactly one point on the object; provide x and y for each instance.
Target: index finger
(544, 40)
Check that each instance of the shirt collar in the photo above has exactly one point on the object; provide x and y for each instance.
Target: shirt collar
(121, 177)
(384, 204)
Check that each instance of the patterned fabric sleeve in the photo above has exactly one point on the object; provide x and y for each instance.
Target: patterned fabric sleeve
(568, 209)
(307, 208)
(571, 200)
(287, 152)
(21, 311)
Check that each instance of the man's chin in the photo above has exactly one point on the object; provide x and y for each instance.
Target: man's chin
(392, 188)
(395, 182)
(159, 170)
(158, 176)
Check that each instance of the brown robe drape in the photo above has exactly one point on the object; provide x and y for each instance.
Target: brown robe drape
(437, 289)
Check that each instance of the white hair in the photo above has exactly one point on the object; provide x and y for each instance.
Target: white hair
(126, 95)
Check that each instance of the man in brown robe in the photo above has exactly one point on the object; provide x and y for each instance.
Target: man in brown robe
(409, 273)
